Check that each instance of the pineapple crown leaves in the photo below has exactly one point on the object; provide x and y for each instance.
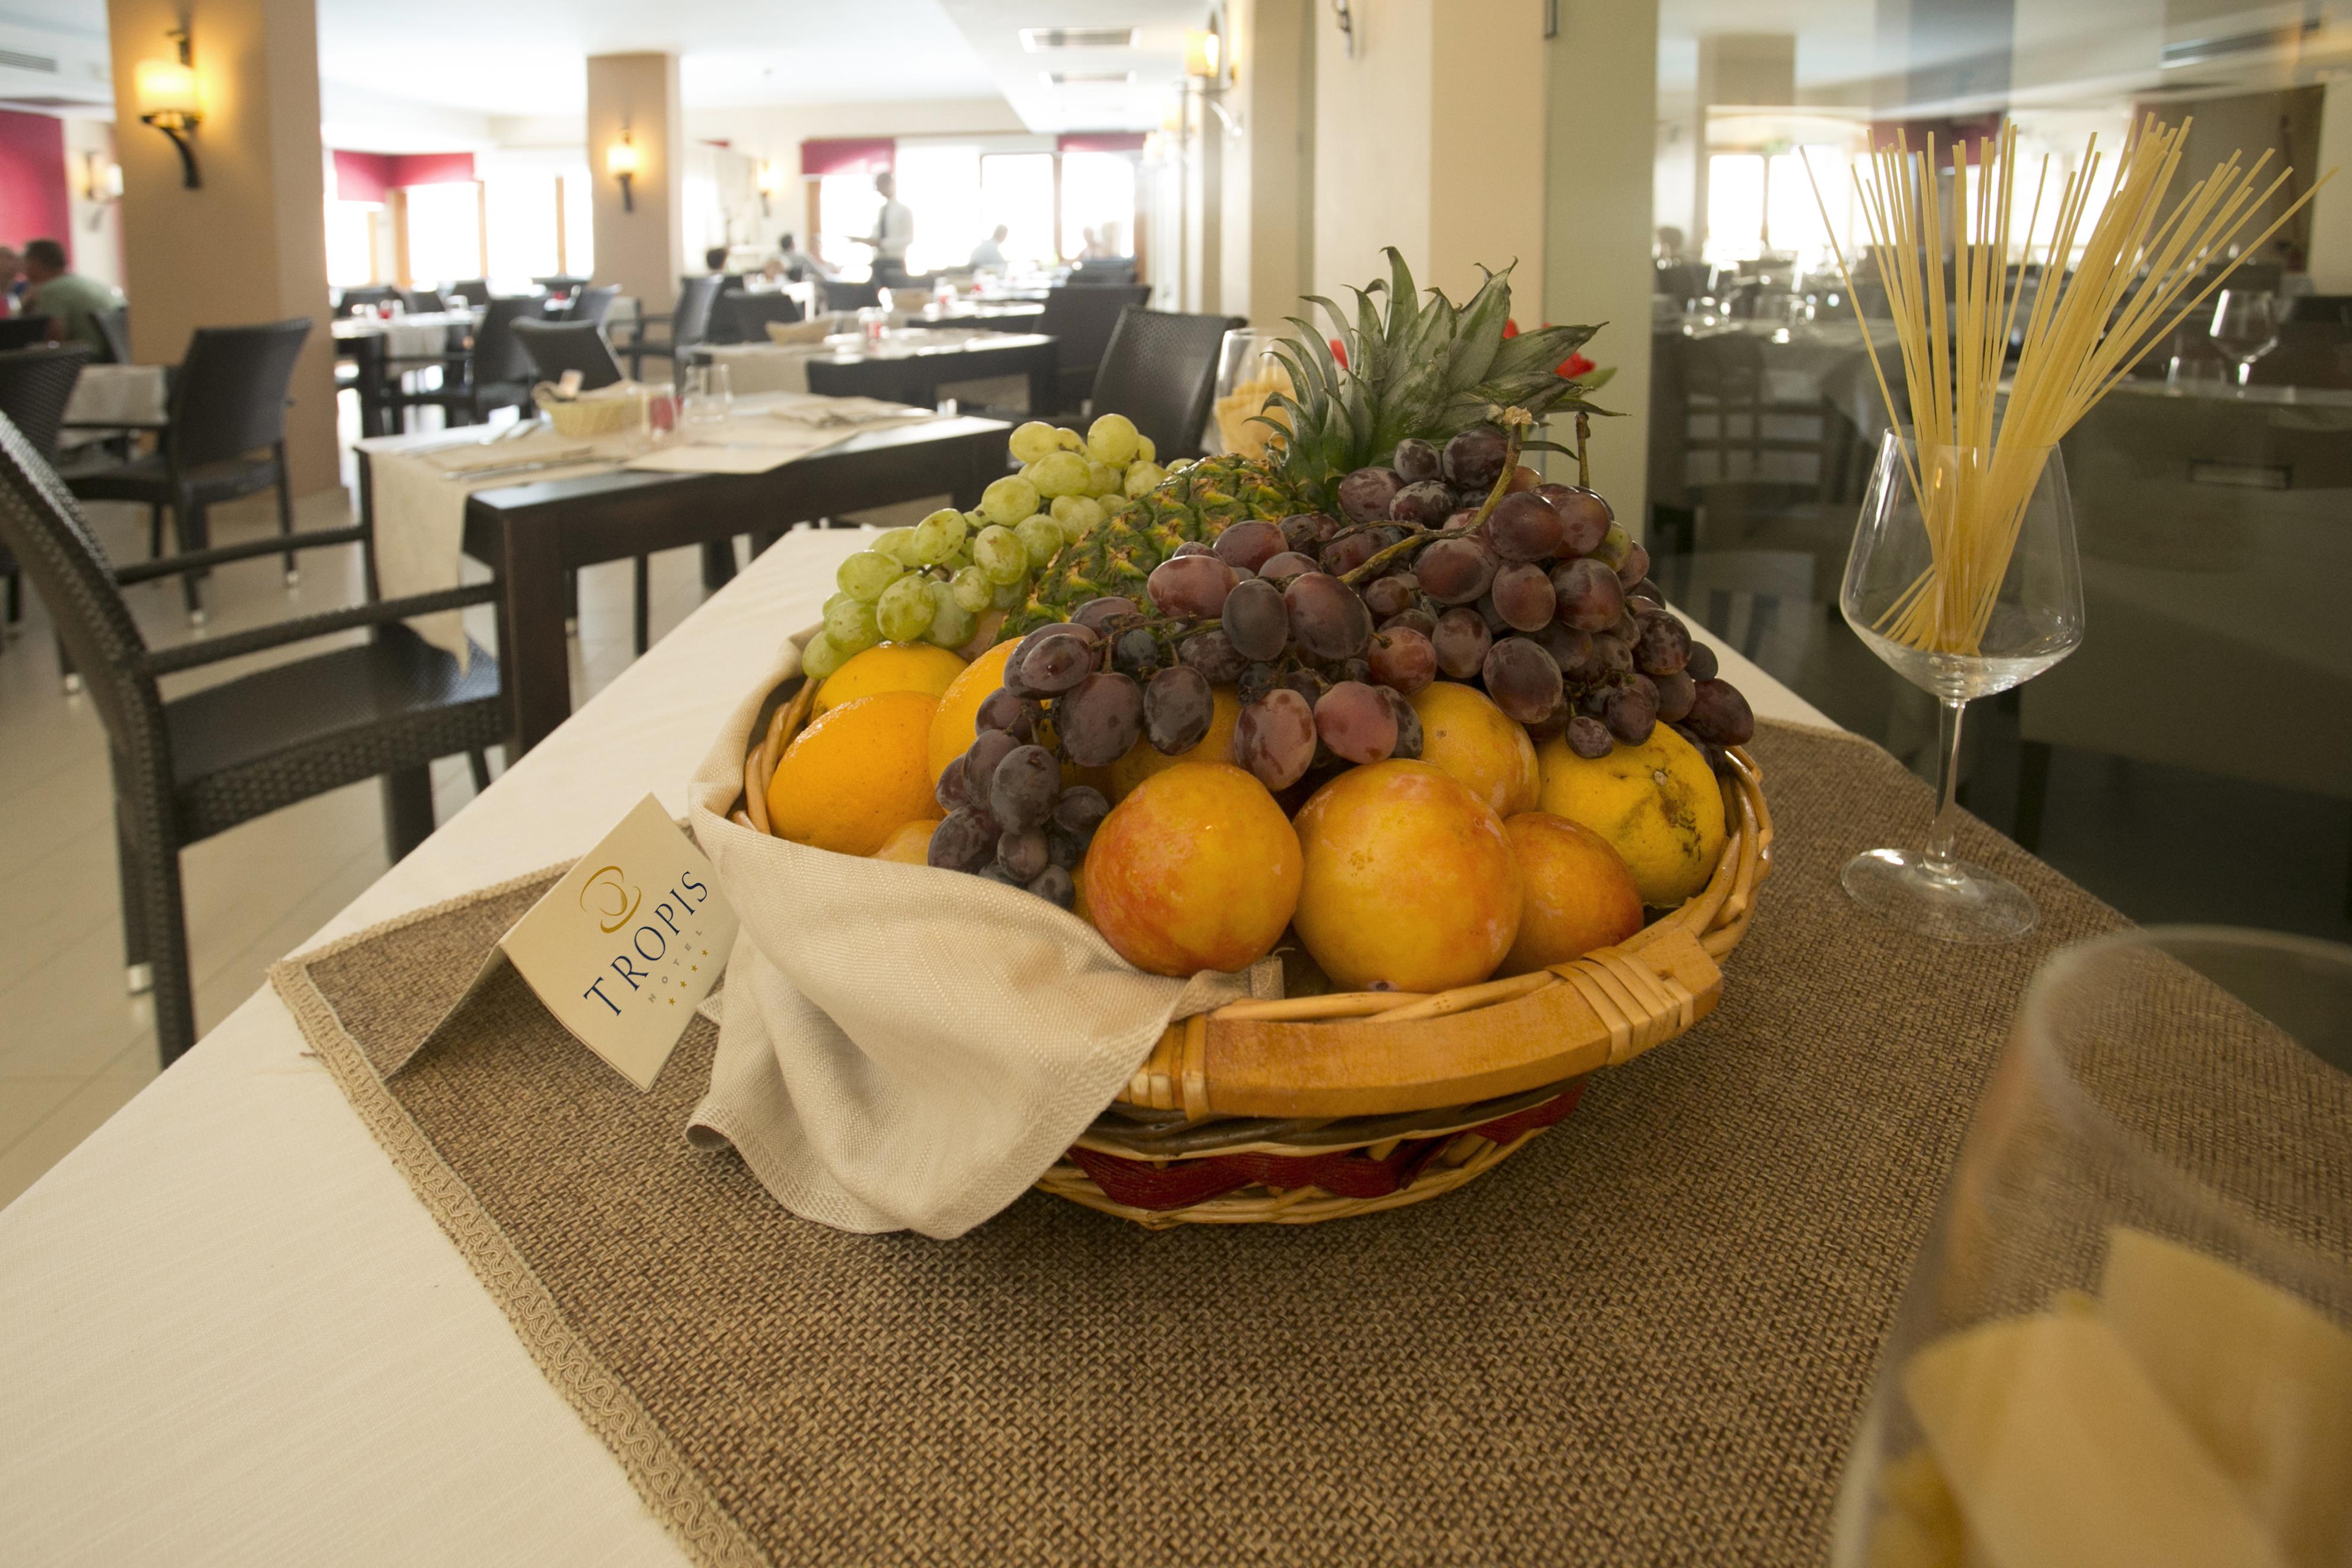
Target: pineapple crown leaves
(1427, 368)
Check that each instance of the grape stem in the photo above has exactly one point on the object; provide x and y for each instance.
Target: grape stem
(1413, 544)
(1583, 434)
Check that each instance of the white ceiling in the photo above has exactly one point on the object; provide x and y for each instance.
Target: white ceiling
(993, 28)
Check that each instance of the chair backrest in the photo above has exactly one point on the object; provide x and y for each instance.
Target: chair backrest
(1725, 367)
(23, 331)
(841, 296)
(593, 305)
(374, 294)
(1080, 318)
(43, 527)
(749, 314)
(1112, 269)
(230, 396)
(473, 290)
(2334, 308)
(689, 320)
(554, 347)
(499, 355)
(114, 326)
(34, 384)
(560, 283)
(1160, 370)
(421, 300)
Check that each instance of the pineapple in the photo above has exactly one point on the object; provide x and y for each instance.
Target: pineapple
(1428, 368)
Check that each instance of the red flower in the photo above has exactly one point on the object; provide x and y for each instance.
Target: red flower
(1340, 352)
(1574, 366)
(1510, 328)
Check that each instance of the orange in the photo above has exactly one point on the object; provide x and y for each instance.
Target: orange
(855, 774)
(1463, 732)
(1198, 868)
(911, 844)
(1410, 880)
(890, 667)
(1217, 746)
(1580, 892)
(952, 726)
(1657, 804)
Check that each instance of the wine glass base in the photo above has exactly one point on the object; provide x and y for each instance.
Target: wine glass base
(1965, 903)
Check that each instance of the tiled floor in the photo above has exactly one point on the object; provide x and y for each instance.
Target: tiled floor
(73, 1046)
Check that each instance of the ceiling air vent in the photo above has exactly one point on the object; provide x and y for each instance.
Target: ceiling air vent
(23, 62)
(1090, 79)
(1034, 39)
(2197, 52)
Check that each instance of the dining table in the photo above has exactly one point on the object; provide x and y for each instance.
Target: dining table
(381, 347)
(903, 364)
(236, 1335)
(553, 507)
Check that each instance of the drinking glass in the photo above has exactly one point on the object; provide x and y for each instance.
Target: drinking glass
(2128, 1337)
(708, 393)
(1930, 591)
(2245, 327)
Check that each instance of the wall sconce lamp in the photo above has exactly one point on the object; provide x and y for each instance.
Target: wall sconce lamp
(623, 161)
(1347, 20)
(771, 180)
(102, 185)
(168, 101)
(1203, 54)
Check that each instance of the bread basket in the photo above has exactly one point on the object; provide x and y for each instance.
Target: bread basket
(607, 411)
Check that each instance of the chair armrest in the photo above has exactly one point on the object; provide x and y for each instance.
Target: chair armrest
(220, 555)
(212, 650)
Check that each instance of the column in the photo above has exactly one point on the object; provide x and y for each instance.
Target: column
(250, 243)
(2331, 209)
(640, 246)
(1602, 147)
(1268, 174)
(1426, 137)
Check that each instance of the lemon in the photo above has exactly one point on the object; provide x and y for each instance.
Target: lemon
(889, 666)
(951, 726)
(1657, 804)
(855, 774)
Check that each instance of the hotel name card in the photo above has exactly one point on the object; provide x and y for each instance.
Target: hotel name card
(625, 947)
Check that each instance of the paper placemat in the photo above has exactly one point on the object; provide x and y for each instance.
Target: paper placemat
(1645, 1339)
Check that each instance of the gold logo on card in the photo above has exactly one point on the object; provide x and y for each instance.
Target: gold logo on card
(616, 902)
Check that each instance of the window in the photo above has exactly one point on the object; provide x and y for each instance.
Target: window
(524, 225)
(445, 232)
(1016, 189)
(941, 184)
(846, 207)
(350, 243)
(579, 224)
(1098, 193)
(1735, 207)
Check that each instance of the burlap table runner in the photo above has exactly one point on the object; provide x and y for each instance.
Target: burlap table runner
(1645, 1339)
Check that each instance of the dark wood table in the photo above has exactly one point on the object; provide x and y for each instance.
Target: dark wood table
(534, 535)
(915, 376)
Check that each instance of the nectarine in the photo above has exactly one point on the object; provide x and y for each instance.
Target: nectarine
(1580, 893)
(1197, 868)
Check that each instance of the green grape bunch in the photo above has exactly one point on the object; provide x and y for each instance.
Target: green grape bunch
(934, 581)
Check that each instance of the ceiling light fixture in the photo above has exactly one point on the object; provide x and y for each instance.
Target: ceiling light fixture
(169, 101)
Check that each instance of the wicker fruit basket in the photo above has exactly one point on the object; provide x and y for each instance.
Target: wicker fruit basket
(1321, 1106)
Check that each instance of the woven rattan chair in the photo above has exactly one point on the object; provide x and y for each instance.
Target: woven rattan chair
(188, 767)
(114, 326)
(592, 305)
(498, 373)
(23, 331)
(743, 318)
(423, 301)
(474, 291)
(35, 387)
(843, 295)
(555, 347)
(1160, 371)
(228, 405)
(689, 324)
(1080, 319)
(351, 301)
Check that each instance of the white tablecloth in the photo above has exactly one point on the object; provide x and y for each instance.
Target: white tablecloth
(232, 1336)
(133, 394)
(425, 335)
(784, 367)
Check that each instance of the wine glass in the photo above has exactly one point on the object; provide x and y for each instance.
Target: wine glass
(2128, 1337)
(1962, 577)
(710, 393)
(2245, 327)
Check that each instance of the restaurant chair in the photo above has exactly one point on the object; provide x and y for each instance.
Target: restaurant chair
(840, 295)
(23, 331)
(1115, 272)
(1725, 377)
(1080, 320)
(562, 283)
(114, 326)
(423, 301)
(554, 347)
(474, 291)
(186, 768)
(352, 300)
(747, 315)
(228, 408)
(592, 305)
(1159, 369)
(36, 384)
(497, 375)
(688, 325)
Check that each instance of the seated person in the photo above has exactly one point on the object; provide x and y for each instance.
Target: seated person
(989, 252)
(715, 260)
(70, 302)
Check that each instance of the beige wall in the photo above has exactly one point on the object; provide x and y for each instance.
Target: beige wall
(96, 226)
(1430, 139)
(776, 134)
(1268, 178)
(2331, 209)
(250, 245)
(643, 250)
(1600, 185)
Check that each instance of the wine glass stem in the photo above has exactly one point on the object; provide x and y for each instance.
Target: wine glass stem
(1940, 832)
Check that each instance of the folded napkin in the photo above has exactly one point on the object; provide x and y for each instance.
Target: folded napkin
(904, 1048)
(830, 412)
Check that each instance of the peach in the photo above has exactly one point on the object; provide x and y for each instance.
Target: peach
(1580, 892)
(1410, 881)
(1463, 732)
(1197, 868)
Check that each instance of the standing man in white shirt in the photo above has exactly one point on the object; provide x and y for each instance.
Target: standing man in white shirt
(894, 230)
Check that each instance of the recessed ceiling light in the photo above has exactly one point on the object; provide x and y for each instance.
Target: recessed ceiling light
(1036, 39)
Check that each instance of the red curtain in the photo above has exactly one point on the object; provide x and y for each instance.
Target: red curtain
(847, 155)
(366, 176)
(1102, 141)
